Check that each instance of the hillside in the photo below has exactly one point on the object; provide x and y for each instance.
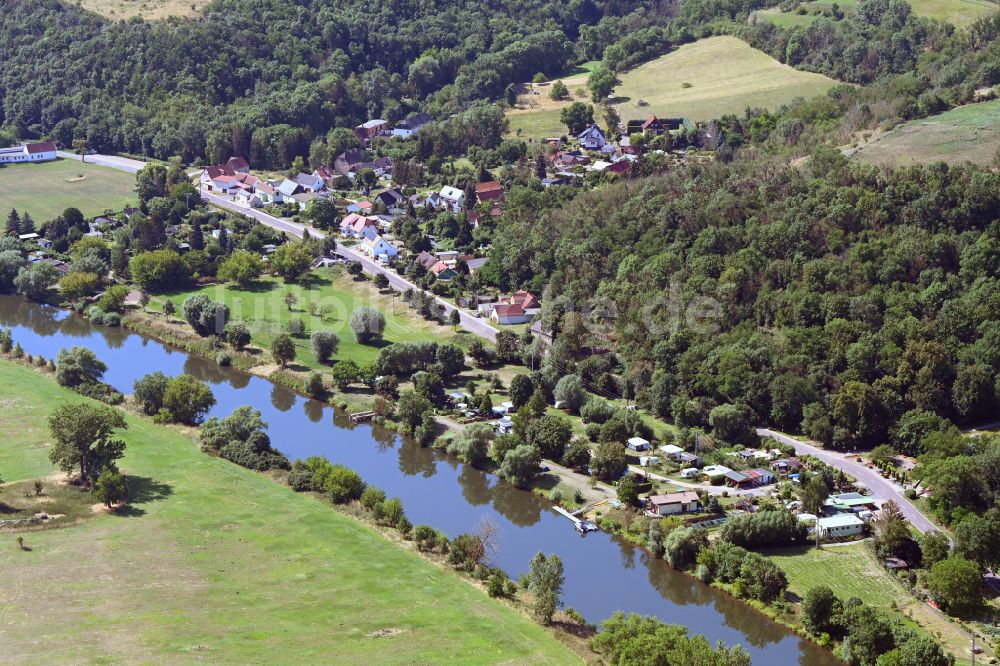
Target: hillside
(150, 10)
(968, 133)
(217, 563)
(710, 78)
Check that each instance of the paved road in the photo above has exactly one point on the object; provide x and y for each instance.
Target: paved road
(881, 487)
(113, 161)
(471, 323)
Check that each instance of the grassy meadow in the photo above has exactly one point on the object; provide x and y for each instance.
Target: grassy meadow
(325, 301)
(961, 13)
(853, 571)
(712, 77)
(46, 189)
(969, 133)
(213, 563)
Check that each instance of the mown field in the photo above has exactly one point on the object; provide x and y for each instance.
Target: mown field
(326, 302)
(150, 10)
(853, 571)
(213, 563)
(961, 13)
(712, 77)
(47, 189)
(968, 133)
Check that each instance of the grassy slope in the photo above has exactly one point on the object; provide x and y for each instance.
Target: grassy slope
(220, 564)
(852, 571)
(263, 309)
(785, 19)
(150, 10)
(967, 133)
(45, 190)
(725, 75)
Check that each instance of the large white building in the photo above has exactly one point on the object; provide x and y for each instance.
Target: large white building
(31, 152)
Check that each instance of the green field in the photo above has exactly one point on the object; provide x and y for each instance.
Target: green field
(961, 13)
(968, 133)
(263, 309)
(213, 563)
(853, 571)
(785, 19)
(537, 124)
(712, 77)
(45, 190)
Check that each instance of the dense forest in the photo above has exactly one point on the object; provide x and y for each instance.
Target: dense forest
(265, 78)
(837, 299)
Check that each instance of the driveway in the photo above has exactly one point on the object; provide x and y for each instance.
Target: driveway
(881, 487)
(113, 161)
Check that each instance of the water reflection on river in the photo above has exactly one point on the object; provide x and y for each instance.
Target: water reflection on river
(603, 573)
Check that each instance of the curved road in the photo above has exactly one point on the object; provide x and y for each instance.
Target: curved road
(881, 487)
(469, 322)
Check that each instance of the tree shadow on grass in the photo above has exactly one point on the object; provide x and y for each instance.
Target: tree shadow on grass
(311, 282)
(143, 490)
(260, 287)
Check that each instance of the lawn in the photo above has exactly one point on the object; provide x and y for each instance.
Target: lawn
(712, 77)
(967, 133)
(217, 564)
(150, 10)
(853, 571)
(325, 302)
(45, 190)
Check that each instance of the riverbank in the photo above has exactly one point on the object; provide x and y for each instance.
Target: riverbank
(603, 572)
(567, 482)
(233, 551)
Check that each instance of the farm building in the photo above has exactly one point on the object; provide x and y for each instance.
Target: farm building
(31, 152)
(844, 525)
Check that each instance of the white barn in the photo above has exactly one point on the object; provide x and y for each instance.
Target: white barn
(31, 152)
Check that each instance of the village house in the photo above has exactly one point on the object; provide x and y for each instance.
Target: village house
(592, 138)
(759, 477)
(350, 162)
(452, 198)
(378, 248)
(786, 466)
(674, 503)
(30, 152)
(288, 189)
(737, 479)
(369, 130)
(326, 174)
(310, 182)
(518, 309)
(850, 503)
(354, 225)
(568, 158)
(393, 199)
(435, 266)
(410, 126)
(489, 190)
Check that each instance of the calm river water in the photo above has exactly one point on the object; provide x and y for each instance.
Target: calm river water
(603, 573)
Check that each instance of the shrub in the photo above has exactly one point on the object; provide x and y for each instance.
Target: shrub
(296, 327)
(324, 345)
(224, 359)
(367, 325)
(204, 315)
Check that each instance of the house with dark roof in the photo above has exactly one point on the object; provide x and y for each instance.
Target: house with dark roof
(435, 266)
(392, 198)
(410, 126)
(592, 138)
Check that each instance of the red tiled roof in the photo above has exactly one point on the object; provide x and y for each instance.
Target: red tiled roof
(674, 498)
(507, 310)
(238, 163)
(43, 147)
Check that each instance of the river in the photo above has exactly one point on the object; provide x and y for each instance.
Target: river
(603, 573)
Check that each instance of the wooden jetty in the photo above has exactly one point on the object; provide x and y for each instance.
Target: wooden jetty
(358, 417)
(582, 526)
